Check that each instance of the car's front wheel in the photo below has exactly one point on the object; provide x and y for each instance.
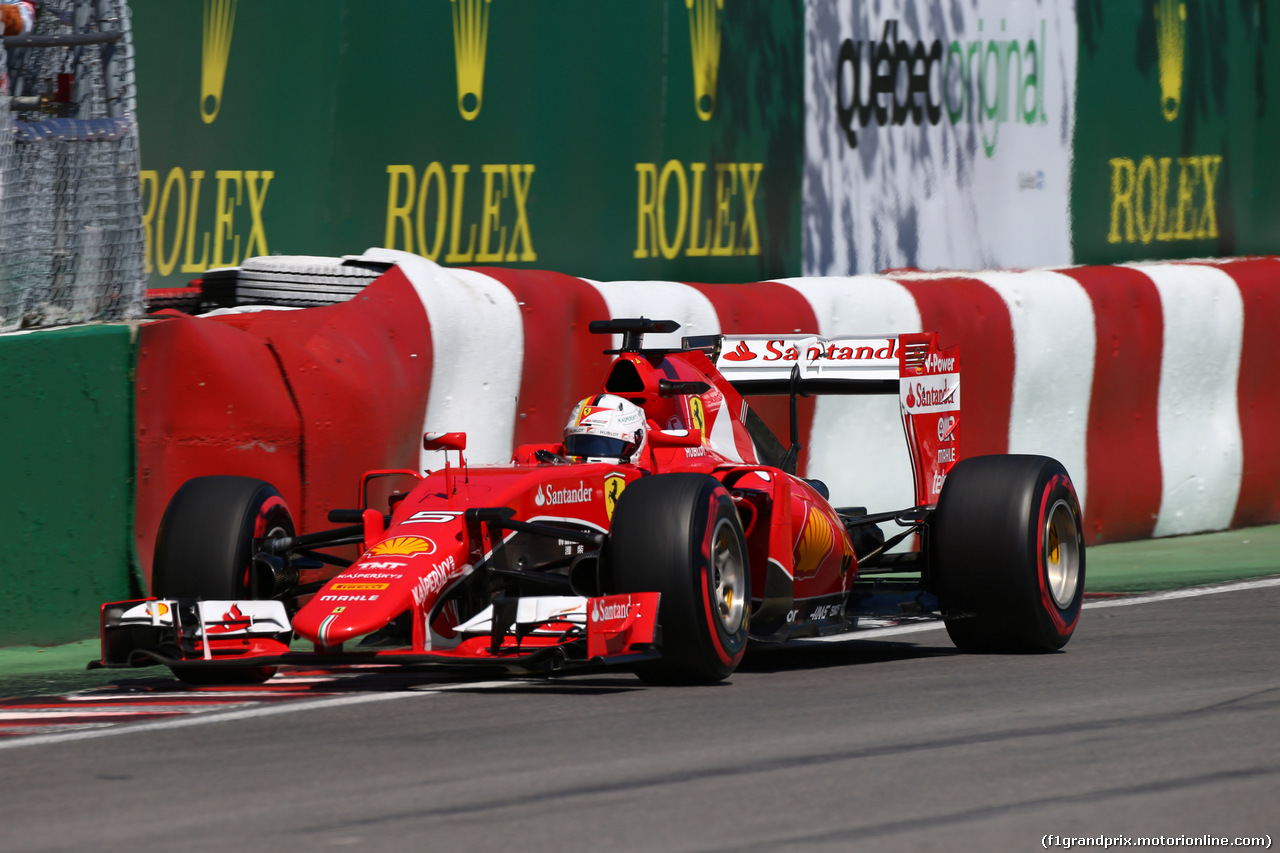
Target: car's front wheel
(679, 535)
(205, 550)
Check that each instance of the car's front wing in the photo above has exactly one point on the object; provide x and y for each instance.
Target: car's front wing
(607, 631)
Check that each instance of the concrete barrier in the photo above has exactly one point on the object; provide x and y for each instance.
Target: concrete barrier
(66, 509)
(1148, 381)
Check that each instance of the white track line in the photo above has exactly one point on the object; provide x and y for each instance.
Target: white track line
(1127, 601)
(249, 713)
(363, 698)
(1191, 592)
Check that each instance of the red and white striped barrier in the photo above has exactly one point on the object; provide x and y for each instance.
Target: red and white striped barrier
(1151, 383)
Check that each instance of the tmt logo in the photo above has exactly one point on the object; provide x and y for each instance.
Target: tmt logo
(219, 22)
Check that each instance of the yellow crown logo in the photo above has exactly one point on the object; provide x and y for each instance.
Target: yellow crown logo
(1171, 42)
(470, 38)
(219, 21)
(704, 35)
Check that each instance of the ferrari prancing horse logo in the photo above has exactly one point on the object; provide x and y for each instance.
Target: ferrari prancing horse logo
(696, 418)
(614, 483)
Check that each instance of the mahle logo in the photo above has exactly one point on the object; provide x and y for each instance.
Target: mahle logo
(219, 21)
(470, 40)
(704, 34)
(1171, 42)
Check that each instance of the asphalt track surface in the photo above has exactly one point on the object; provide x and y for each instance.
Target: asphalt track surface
(1159, 718)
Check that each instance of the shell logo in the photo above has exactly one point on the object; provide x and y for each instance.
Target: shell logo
(816, 540)
(402, 546)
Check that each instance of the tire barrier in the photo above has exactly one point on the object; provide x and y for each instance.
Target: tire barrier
(66, 412)
(1146, 381)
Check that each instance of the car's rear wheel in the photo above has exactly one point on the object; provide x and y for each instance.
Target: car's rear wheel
(1007, 553)
(205, 550)
(679, 535)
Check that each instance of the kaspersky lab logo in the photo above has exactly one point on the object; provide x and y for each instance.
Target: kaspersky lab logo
(470, 40)
(219, 21)
(704, 36)
(1171, 42)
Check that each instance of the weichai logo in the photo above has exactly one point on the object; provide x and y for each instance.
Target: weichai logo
(704, 36)
(989, 81)
(470, 43)
(219, 23)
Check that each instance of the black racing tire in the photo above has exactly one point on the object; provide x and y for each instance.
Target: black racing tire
(680, 535)
(205, 549)
(1007, 554)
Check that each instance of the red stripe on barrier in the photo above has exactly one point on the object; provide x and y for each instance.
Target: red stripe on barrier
(1123, 442)
(210, 400)
(1259, 283)
(562, 362)
(763, 308)
(969, 313)
(359, 373)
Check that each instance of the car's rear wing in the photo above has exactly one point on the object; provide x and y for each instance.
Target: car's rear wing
(925, 377)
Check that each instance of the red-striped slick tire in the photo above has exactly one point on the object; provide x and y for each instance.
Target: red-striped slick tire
(205, 549)
(1007, 554)
(679, 535)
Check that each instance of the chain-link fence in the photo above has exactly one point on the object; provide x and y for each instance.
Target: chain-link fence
(71, 239)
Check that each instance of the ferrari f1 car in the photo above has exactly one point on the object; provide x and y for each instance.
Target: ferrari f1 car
(665, 559)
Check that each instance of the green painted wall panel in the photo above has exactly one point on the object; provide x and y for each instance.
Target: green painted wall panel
(579, 144)
(66, 415)
(1177, 113)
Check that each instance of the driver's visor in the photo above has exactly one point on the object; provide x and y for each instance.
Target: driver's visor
(588, 446)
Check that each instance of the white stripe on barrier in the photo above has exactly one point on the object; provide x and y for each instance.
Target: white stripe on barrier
(659, 300)
(1053, 343)
(477, 343)
(1201, 450)
(857, 446)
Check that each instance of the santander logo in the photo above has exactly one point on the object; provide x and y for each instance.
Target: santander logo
(741, 353)
(607, 612)
(582, 494)
(233, 620)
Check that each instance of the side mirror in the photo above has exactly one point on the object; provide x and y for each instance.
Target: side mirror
(444, 441)
(676, 438)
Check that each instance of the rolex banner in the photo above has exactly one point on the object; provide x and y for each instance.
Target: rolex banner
(647, 139)
(707, 140)
(938, 134)
(1177, 122)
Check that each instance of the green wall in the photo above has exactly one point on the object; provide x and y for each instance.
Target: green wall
(587, 149)
(66, 514)
(1177, 117)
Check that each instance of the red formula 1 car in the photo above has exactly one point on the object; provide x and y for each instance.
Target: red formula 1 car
(667, 530)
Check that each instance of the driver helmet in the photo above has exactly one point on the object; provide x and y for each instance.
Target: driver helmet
(606, 428)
